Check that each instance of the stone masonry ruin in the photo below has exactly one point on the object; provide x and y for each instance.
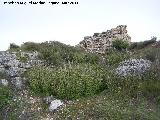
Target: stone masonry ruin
(100, 42)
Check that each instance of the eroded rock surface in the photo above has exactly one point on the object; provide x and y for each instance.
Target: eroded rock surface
(133, 67)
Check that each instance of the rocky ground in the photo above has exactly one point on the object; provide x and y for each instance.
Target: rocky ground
(13, 67)
(123, 97)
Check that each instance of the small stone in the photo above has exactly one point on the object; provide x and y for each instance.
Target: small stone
(48, 99)
(27, 66)
(55, 104)
(17, 82)
(4, 82)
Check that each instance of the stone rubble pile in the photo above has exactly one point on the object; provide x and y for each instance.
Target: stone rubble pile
(132, 67)
(100, 42)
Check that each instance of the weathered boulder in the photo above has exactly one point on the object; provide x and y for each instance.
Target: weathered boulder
(13, 67)
(133, 67)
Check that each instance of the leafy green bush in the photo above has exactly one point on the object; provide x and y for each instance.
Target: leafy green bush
(92, 58)
(30, 46)
(86, 58)
(106, 106)
(120, 87)
(120, 44)
(115, 57)
(57, 53)
(70, 82)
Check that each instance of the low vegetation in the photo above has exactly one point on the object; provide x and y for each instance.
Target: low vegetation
(7, 104)
(114, 57)
(120, 44)
(69, 82)
(95, 91)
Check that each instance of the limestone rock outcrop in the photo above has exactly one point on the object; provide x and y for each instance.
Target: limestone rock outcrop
(133, 67)
(100, 42)
(13, 67)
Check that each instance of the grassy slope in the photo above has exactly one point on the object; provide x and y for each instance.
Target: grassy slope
(112, 106)
(123, 99)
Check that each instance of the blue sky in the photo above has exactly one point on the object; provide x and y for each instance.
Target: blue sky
(70, 23)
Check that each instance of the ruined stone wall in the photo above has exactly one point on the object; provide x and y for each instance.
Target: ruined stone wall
(100, 42)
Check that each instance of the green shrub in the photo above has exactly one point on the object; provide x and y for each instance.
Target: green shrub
(51, 57)
(115, 57)
(30, 46)
(58, 53)
(70, 82)
(120, 44)
(79, 57)
(91, 58)
(120, 87)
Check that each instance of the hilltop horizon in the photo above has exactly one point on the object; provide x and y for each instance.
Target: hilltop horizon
(70, 23)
